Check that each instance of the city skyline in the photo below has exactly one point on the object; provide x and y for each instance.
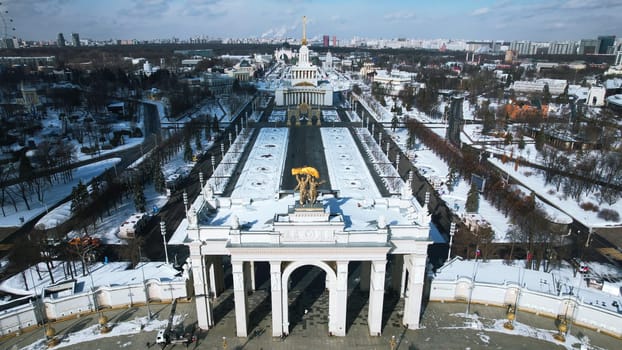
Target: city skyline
(152, 19)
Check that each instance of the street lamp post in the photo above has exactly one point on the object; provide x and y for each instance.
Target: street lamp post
(452, 232)
(163, 232)
(468, 310)
(185, 198)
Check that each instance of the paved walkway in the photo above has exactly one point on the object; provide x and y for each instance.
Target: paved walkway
(443, 327)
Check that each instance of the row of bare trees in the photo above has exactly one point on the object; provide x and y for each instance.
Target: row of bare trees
(531, 231)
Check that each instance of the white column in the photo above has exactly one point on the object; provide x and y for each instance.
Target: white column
(239, 296)
(415, 263)
(201, 295)
(341, 299)
(277, 302)
(364, 275)
(376, 297)
(252, 270)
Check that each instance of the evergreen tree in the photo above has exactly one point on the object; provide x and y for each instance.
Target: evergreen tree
(159, 183)
(472, 202)
(25, 167)
(79, 197)
(215, 125)
(394, 122)
(140, 202)
(521, 143)
(197, 142)
(187, 151)
(546, 95)
(539, 142)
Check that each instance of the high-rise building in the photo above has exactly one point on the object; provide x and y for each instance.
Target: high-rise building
(563, 48)
(75, 37)
(7, 43)
(606, 44)
(523, 47)
(60, 40)
(325, 40)
(588, 46)
(334, 40)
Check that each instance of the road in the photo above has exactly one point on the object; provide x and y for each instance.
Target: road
(174, 212)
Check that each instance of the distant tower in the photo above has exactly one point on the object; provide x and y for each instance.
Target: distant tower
(325, 40)
(60, 40)
(334, 40)
(76, 39)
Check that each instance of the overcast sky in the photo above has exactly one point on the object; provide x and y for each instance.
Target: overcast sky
(420, 19)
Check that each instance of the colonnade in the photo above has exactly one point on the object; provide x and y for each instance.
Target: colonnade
(407, 278)
(311, 98)
(304, 74)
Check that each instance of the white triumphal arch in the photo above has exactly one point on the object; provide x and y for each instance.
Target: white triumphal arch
(258, 222)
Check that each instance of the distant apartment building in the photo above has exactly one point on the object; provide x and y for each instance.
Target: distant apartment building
(523, 48)
(60, 40)
(588, 46)
(325, 40)
(75, 37)
(606, 44)
(563, 48)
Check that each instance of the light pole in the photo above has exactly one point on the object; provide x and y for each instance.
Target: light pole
(452, 232)
(163, 232)
(472, 287)
(142, 270)
(185, 198)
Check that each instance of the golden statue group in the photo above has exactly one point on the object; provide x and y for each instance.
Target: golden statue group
(308, 182)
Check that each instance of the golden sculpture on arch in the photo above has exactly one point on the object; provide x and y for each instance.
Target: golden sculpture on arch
(308, 182)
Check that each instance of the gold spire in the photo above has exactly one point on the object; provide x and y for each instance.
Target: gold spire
(304, 30)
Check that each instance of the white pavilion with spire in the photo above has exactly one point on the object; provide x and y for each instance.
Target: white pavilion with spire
(304, 82)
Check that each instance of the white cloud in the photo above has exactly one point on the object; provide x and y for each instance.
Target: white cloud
(400, 16)
(480, 11)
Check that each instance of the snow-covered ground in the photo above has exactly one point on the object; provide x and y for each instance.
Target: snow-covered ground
(534, 180)
(102, 274)
(436, 171)
(52, 194)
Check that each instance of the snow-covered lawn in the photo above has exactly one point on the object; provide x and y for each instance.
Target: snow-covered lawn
(436, 171)
(52, 194)
(534, 180)
(102, 274)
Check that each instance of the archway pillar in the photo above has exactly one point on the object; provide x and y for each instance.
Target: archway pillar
(277, 302)
(415, 264)
(239, 297)
(340, 295)
(376, 297)
(201, 292)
